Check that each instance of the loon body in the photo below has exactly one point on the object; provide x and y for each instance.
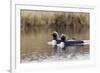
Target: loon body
(63, 43)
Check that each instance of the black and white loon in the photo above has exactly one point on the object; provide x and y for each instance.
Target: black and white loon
(63, 43)
(55, 40)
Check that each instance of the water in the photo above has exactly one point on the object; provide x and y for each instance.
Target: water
(55, 58)
(34, 48)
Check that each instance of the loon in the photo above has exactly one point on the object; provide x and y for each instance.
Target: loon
(62, 42)
(66, 43)
(55, 40)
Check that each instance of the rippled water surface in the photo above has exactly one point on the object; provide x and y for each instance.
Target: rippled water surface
(34, 47)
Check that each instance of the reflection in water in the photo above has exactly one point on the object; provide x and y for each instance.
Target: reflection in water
(34, 45)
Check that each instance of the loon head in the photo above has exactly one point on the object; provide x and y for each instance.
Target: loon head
(63, 38)
(55, 35)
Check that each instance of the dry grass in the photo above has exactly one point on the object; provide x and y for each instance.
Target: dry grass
(70, 22)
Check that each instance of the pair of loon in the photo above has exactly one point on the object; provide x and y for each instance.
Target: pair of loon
(62, 42)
